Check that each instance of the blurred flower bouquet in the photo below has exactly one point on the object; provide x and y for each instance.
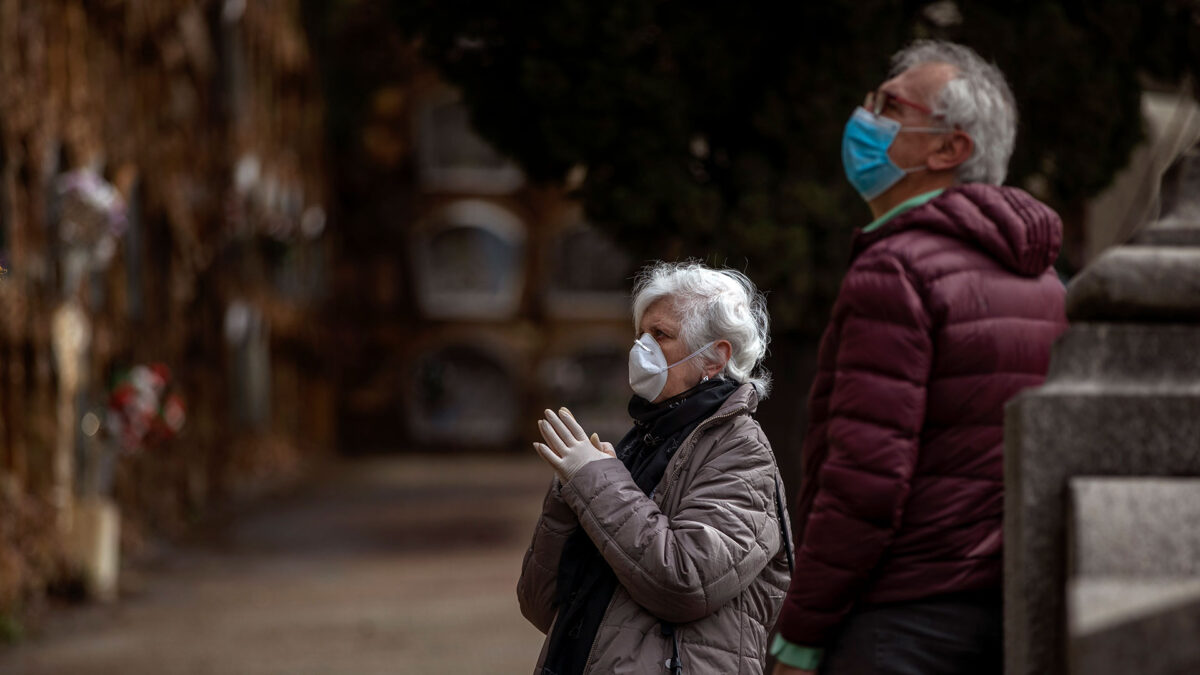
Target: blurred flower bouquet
(92, 209)
(143, 410)
(92, 217)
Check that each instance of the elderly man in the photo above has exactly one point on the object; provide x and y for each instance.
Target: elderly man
(949, 308)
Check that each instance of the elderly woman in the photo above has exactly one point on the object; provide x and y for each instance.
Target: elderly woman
(671, 552)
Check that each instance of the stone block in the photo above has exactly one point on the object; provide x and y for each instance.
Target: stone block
(1172, 231)
(1139, 283)
(1134, 527)
(1128, 357)
(1144, 420)
(1127, 625)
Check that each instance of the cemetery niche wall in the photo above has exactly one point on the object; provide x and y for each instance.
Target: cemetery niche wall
(452, 157)
(503, 301)
(128, 227)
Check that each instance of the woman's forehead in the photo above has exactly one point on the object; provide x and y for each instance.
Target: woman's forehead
(661, 311)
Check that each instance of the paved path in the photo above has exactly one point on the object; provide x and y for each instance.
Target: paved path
(397, 565)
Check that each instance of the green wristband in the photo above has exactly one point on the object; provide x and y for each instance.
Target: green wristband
(796, 656)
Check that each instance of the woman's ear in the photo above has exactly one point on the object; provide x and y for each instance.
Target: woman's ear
(724, 351)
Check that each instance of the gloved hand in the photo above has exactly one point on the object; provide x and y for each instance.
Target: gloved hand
(568, 447)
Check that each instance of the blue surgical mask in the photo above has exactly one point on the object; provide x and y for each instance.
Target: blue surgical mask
(865, 157)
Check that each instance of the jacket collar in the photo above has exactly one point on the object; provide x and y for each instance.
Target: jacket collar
(742, 397)
(1017, 230)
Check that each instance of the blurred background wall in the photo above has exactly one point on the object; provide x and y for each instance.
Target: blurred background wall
(163, 194)
(209, 286)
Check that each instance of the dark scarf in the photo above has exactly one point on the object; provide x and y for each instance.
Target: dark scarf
(585, 581)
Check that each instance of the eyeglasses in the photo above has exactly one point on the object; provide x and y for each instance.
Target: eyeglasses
(877, 102)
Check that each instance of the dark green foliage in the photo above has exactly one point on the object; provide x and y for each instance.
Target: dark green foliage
(712, 130)
(11, 629)
(1074, 67)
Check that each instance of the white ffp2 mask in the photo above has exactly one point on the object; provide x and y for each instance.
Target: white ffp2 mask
(648, 366)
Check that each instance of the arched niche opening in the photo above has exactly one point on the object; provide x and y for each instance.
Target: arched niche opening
(462, 394)
(469, 261)
(451, 155)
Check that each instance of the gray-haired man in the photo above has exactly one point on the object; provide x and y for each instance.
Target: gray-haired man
(948, 309)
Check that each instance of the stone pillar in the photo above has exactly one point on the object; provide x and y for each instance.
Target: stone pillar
(1122, 399)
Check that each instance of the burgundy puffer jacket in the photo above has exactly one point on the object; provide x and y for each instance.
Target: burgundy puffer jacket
(946, 312)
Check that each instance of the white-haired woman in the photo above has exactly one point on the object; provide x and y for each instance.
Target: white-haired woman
(671, 551)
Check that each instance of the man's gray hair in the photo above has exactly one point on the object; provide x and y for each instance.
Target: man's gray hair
(712, 305)
(977, 100)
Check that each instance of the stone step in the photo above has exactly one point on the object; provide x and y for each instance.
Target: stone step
(1138, 283)
(1134, 527)
(1157, 358)
(1122, 625)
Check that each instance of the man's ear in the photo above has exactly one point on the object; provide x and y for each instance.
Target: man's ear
(954, 150)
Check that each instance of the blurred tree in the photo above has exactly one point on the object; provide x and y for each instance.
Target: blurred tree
(716, 127)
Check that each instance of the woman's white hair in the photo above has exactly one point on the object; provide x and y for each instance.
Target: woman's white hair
(977, 100)
(711, 305)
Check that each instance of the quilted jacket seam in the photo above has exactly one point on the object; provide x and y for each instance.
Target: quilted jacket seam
(865, 420)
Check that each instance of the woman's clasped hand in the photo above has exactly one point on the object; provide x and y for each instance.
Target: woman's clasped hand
(568, 447)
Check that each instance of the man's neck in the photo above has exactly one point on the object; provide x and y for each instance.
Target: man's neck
(913, 184)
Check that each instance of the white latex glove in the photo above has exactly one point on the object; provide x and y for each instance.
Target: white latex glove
(568, 447)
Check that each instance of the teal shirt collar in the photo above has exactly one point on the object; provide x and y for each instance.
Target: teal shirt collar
(910, 203)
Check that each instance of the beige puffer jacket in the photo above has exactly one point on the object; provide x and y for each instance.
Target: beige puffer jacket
(708, 552)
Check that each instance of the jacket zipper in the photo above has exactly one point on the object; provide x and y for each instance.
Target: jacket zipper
(683, 447)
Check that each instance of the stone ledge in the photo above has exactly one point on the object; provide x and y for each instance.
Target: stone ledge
(1122, 625)
(1138, 283)
(1134, 527)
(1162, 355)
(1170, 232)
(1052, 434)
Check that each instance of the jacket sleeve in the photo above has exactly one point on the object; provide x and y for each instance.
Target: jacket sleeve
(537, 586)
(685, 567)
(876, 412)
